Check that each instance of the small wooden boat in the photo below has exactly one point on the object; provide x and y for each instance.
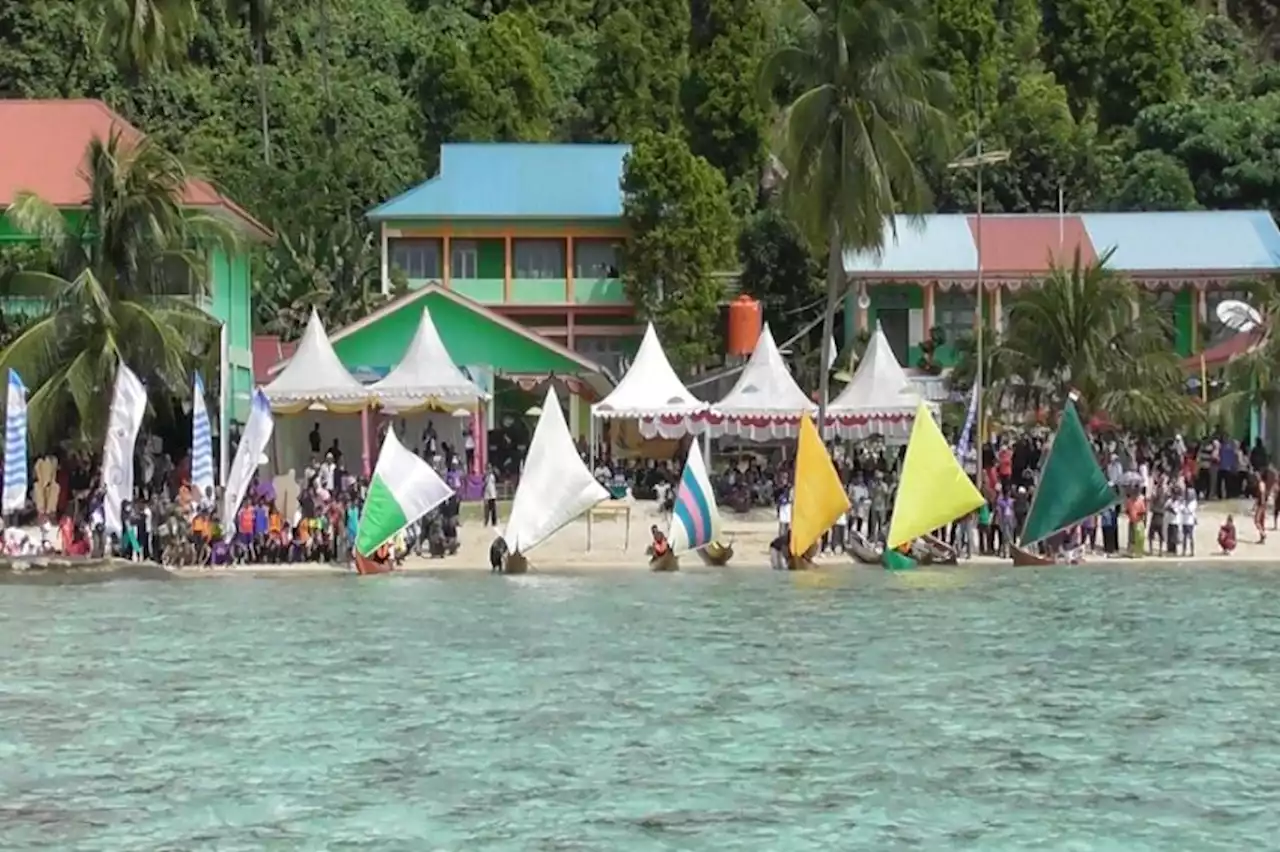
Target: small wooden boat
(928, 550)
(515, 563)
(367, 565)
(666, 562)
(894, 560)
(862, 550)
(803, 562)
(716, 554)
(1026, 558)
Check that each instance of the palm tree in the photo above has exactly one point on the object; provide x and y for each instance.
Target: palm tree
(1077, 331)
(123, 284)
(867, 102)
(1252, 377)
(146, 35)
(257, 14)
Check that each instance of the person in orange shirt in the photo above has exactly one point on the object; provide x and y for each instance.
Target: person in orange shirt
(1004, 467)
(1135, 509)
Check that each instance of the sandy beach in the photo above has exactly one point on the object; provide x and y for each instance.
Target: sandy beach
(617, 534)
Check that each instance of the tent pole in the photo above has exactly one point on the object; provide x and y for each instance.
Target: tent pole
(591, 463)
(366, 454)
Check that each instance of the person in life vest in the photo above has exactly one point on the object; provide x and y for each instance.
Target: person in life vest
(1227, 536)
(660, 544)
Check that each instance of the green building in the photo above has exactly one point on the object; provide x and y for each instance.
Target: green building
(44, 153)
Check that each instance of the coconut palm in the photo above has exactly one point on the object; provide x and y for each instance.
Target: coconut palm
(146, 35)
(867, 102)
(124, 284)
(257, 16)
(1077, 331)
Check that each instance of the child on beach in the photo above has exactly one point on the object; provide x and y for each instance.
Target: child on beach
(1187, 518)
(1227, 536)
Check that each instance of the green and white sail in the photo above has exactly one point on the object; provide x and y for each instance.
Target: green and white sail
(403, 489)
(1072, 485)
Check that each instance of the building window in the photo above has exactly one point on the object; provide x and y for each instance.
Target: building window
(462, 259)
(597, 259)
(953, 313)
(608, 352)
(538, 258)
(416, 258)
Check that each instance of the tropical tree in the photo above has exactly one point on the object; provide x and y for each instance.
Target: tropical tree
(1251, 379)
(124, 284)
(256, 14)
(868, 104)
(146, 35)
(1078, 331)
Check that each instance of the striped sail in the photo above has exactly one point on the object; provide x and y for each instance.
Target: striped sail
(695, 523)
(15, 445)
(201, 442)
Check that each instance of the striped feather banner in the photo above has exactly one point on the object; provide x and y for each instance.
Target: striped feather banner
(201, 442)
(15, 445)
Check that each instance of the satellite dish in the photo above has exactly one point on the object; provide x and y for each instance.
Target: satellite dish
(1237, 315)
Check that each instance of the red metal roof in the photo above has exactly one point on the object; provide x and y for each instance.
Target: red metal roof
(1219, 354)
(267, 352)
(44, 152)
(1031, 244)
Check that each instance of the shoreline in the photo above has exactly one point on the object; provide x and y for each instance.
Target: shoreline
(426, 567)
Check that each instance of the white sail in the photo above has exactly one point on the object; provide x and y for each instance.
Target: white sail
(555, 488)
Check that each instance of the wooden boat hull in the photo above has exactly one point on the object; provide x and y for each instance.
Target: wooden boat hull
(716, 554)
(930, 551)
(515, 563)
(803, 562)
(894, 560)
(664, 563)
(862, 550)
(1026, 558)
(366, 566)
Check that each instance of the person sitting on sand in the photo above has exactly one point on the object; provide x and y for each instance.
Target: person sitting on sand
(1227, 536)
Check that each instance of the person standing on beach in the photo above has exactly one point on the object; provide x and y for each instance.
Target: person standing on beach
(490, 497)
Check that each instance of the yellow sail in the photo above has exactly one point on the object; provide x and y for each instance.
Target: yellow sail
(819, 496)
(934, 490)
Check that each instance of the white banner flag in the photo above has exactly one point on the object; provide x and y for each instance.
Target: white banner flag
(253, 443)
(128, 407)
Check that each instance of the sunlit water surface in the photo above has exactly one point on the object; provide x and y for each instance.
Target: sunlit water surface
(1090, 708)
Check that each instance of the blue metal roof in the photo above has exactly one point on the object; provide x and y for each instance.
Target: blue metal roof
(517, 180)
(936, 243)
(1209, 240)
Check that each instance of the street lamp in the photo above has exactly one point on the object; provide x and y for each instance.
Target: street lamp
(976, 162)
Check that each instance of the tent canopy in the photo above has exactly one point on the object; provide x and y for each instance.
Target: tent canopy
(879, 400)
(315, 376)
(765, 402)
(426, 376)
(652, 391)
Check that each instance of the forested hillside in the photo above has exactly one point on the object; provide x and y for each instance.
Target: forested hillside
(309, 111)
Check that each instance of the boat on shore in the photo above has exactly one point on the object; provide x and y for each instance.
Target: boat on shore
(819, 497)
(1072, 487)
(933, 492)
(555, 488)
(716, 554)
(403, 489)
(695, 518)
(861, 549)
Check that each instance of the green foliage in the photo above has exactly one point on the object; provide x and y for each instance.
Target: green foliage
(777, 269)
(677, 207)
(641, 66)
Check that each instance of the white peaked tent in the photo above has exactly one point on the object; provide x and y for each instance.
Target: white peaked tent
(315, 377)
(426, 377)
(766, 402)
(652, 393)
(879, 400)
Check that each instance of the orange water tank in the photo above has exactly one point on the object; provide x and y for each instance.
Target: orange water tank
(745, 322)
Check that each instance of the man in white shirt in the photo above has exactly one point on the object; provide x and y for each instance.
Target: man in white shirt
(490, 498)
(1187, 520)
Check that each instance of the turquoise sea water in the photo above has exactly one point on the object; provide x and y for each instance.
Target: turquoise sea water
(1089, 708)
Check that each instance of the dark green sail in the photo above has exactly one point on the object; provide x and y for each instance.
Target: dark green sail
(1072, 485)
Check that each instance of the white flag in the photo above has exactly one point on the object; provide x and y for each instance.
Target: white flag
(128, 406)
(253, 443)
(831, 356)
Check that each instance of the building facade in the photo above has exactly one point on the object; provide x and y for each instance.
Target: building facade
(44, 154)
(926, 278)
(533, 232)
